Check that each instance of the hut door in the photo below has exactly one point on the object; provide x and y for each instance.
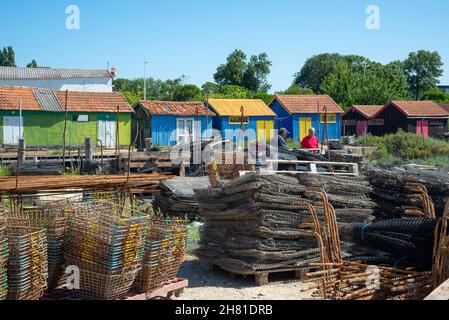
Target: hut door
(12, 130)
(362, 128)
(107, 133)
(422, 128)
(265, 131)
(304, 126)
(185, 130)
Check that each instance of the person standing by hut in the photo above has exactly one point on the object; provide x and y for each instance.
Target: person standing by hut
(311, 141)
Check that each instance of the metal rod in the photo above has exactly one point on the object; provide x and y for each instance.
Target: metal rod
(65, 129)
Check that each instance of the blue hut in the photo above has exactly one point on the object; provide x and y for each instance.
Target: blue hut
(170, 123)
(299, 113)
(255, 116)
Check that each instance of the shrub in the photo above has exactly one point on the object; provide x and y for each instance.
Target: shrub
(403, 147)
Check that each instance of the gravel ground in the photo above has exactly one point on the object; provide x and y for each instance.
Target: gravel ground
(220, 285)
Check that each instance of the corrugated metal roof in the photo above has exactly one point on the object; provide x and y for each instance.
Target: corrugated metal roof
(232, 107)
(47, 100)
(13, 73)
(176, 108)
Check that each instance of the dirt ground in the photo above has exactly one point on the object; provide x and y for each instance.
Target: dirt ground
(220, 285)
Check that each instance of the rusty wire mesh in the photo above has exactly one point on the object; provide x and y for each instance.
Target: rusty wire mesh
(105, 240)
(27, 263)
(164, 253)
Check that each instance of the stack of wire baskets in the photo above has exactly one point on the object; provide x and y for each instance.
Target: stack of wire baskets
(27, 263)
(51, 217)
(164, 253)
(3, 256)
(105, 241)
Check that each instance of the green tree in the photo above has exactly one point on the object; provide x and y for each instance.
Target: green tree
(373, 84)
(318, 67)
(255, 75)
(32, 64)
(423, 68)
(296, 89)
(251, 75)
(7, 57)
(210, 88)
(188, 92)
(436, 96)
(266, 97)
(156, 89)
(231, 92)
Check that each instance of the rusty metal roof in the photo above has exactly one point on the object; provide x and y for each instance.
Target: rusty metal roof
(175, 108)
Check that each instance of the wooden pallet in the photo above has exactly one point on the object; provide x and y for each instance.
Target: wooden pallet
(332, 168)
(262, 278)
(171, 291)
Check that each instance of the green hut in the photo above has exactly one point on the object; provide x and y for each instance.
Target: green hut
(38, 115)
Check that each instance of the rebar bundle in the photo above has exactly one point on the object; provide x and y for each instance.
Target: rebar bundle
(4, 253)
(356, 281)
(27, 263)
(440, 270)
(396, 193)
(251, 224)
(164, 253)
(343, 280)
(106, 242)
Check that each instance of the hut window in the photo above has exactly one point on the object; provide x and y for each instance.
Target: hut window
(238, 120)
(331, 118)
(80, 118)
(376, 122)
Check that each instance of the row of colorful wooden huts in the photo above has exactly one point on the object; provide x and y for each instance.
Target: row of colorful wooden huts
(39, 115)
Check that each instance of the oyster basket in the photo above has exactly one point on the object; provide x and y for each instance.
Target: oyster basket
(27, 263)
(164, 254)
(97, 284)
(106, 241)
(3, 269)
(52, 217)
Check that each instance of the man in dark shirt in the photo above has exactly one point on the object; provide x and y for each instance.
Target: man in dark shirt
(282, 136)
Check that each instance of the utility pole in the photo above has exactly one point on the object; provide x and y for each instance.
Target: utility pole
(145, 62)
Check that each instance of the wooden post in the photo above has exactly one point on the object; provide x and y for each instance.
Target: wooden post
(117, 138)
(65, 129)
(327, 134)
(148, 144)
(88, 148)
(22, 151)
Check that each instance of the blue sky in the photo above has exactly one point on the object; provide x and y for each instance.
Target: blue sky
(192, 37)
